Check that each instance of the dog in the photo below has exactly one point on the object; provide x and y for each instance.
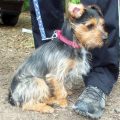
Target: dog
(40, 81)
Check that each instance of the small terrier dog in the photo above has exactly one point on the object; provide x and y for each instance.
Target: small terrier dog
(40, 81)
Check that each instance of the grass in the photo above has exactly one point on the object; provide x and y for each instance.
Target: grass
(26, 5)
(75, 1)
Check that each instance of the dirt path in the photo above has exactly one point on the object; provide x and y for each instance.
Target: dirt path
(14, 47)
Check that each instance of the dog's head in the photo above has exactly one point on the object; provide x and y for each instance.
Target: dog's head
(87, 24)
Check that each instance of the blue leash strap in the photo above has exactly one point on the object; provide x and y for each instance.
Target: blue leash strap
(39, 19)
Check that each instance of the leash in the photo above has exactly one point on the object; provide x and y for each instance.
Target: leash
(39, 19)
(40, 22)
(57, 34)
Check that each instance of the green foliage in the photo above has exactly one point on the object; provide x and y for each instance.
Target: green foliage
(75, 1)
(26, 5)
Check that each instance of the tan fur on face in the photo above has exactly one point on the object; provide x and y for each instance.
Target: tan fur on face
(92, 21)
(90, 37)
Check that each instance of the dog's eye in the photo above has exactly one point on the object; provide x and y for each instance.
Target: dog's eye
(90, 26)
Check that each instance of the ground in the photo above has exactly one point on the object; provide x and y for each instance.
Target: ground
(15, 46)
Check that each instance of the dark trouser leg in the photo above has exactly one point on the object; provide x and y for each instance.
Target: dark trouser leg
(105, 64)
(52, 17)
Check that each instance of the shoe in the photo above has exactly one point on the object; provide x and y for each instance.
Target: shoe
(91, 103)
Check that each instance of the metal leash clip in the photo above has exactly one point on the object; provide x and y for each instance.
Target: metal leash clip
(52, 37)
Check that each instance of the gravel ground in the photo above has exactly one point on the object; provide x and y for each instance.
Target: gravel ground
(15, 46)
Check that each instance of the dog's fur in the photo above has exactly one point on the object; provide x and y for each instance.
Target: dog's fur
(39, 81)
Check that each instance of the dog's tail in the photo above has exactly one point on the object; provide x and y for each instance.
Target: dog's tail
(10, 99)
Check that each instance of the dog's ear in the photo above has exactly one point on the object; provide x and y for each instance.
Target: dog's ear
(75, 10)
(97, 8)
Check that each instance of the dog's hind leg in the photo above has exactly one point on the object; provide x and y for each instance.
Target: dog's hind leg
(60, 93)
(35, 105)
(31, 94)
(39, 107)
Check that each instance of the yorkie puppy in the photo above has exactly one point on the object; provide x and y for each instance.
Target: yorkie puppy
(40, 81)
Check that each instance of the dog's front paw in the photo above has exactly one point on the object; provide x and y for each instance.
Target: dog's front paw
(48, 109)
(63, 103)
(38, 107)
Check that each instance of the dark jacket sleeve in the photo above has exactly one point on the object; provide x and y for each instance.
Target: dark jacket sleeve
(105, 63)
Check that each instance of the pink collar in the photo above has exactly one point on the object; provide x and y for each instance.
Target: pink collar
(65, 40)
